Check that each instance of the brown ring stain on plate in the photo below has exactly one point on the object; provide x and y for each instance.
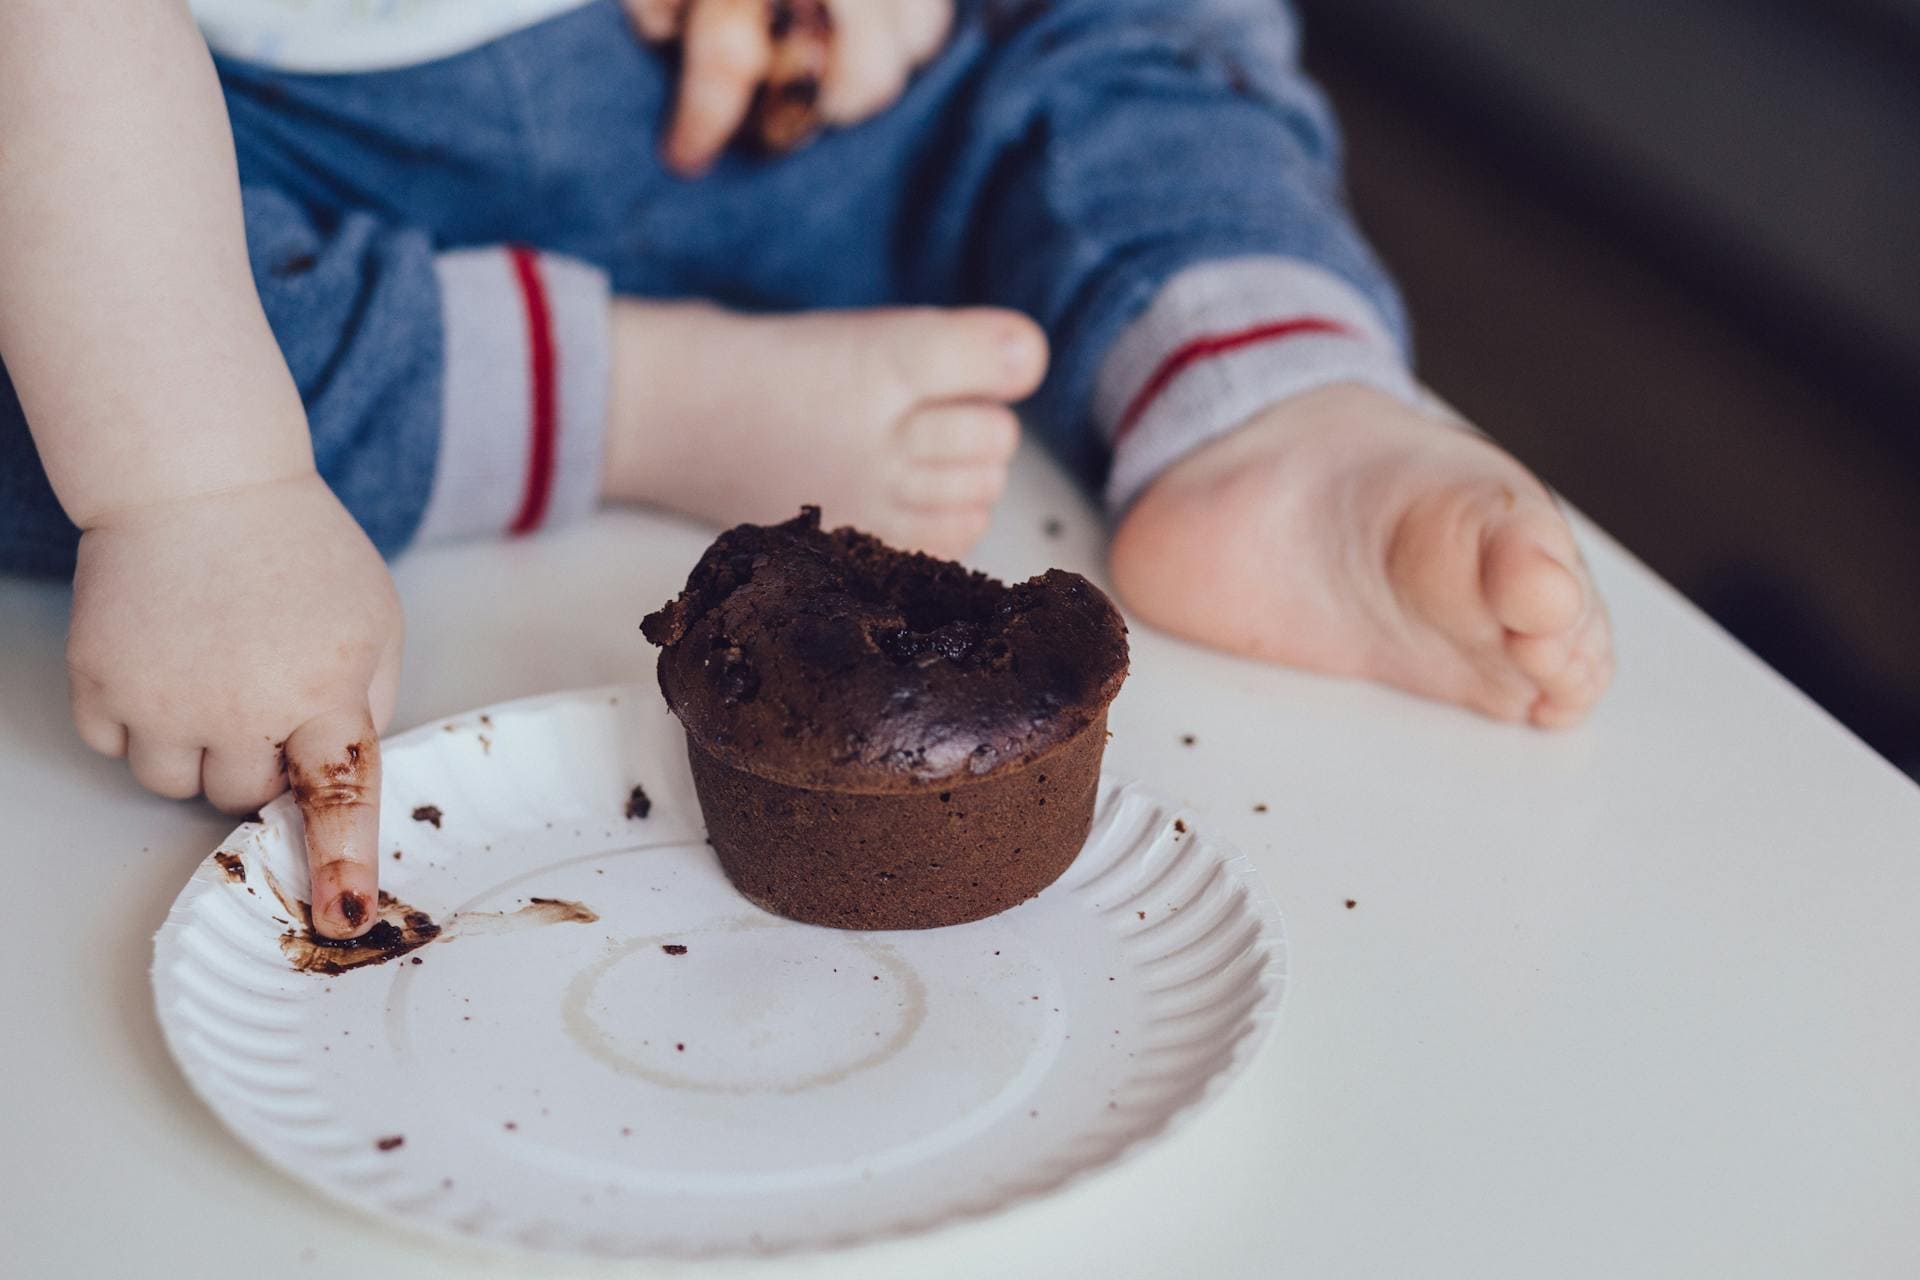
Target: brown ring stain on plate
(586, 1031)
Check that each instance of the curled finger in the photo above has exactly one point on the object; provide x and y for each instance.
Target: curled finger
(237, 779)
(656, 20)
(164, 768)
(867, 69)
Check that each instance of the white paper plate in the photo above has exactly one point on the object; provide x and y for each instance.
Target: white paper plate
(568, 1085)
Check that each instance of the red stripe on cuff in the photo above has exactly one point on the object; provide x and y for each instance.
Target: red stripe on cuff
(541, 380)
(1209, 345)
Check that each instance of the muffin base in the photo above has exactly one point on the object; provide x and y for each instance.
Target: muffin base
(904, 860)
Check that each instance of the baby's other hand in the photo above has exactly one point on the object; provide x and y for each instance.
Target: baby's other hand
(211, 633)
(790, 64)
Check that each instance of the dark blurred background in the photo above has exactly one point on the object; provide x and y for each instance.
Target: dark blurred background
(1668, 252)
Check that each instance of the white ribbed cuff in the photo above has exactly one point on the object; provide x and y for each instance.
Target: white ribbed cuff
(524, 400)
(1222, 341)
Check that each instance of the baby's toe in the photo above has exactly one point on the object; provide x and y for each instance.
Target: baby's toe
(956, 433)
(1543, 659)
(1531, 575)
(948, 534)
(953, 488)
(1500, 691)
(1570, 688)
(969, 353)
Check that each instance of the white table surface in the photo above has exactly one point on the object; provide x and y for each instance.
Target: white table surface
(1642, 999)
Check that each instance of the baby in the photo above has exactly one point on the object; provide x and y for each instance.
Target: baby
(386, 273)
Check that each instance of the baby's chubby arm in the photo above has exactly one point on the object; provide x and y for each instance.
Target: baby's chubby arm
(225, 603)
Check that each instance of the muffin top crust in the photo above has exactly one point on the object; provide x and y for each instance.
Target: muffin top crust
(830, 660)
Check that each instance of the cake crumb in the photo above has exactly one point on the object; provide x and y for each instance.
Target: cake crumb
(1141, 914)
(396, 855)
(511, 1126)
(1187, 739)
(429, 813)
(1180, 826)
(673, 948)
(638, 803)
(390, 1143)
(1260, 808)
(679, 1048)
(1351, 904)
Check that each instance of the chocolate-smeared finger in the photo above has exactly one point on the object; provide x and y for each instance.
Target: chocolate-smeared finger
(333, 768)
(786, 112)
(725, 51)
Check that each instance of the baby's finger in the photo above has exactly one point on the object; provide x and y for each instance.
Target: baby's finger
(787, 112)
(100, 731)
(164, 768)
(921, 26)
(867, 70)
(333, 766)
(98, 727)
(726, 50)
(656, 20)
(237, 779)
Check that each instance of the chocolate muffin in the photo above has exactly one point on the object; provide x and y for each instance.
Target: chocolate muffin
(883, 740)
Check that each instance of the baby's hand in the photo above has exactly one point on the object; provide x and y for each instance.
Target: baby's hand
(790, 63)
(212, 633)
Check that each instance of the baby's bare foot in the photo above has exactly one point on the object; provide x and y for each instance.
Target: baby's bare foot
(894, 420)
(1343, 532)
